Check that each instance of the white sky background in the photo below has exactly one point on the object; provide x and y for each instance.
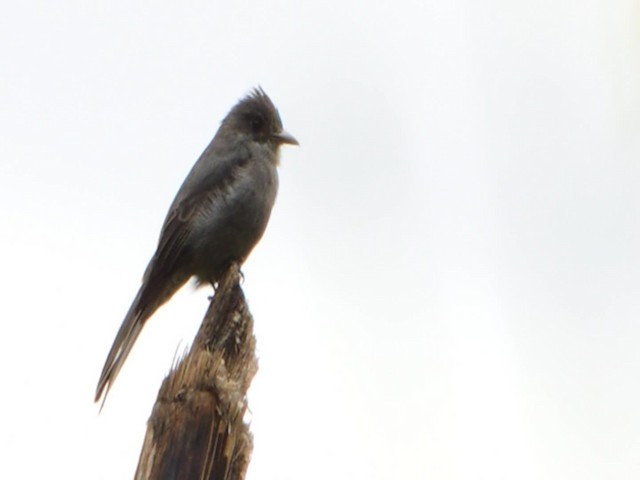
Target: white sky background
(449, 287)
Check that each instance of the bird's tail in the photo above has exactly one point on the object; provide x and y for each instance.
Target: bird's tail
(149, 298)
(122, 345)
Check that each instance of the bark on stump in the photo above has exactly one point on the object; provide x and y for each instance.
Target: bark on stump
(197, 428)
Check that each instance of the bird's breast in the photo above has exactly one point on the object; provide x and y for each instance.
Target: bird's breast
(233, 220)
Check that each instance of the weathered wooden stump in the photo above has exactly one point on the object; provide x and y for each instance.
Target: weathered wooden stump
(197, 428)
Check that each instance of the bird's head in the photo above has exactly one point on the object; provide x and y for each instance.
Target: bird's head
(256, 116)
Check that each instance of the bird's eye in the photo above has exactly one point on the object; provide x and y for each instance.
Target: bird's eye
(256, 123)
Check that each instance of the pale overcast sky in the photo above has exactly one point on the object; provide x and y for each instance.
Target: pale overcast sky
(449, 287)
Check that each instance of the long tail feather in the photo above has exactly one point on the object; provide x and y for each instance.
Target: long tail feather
(152, 294)
(122, 345)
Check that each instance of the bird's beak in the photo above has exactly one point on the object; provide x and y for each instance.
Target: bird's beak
(286, 137)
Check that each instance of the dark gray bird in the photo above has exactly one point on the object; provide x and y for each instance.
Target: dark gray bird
(217, 217)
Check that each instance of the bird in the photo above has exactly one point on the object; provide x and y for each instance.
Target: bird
(217, 217)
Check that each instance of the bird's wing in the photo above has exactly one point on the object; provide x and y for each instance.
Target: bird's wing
(199, 192)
